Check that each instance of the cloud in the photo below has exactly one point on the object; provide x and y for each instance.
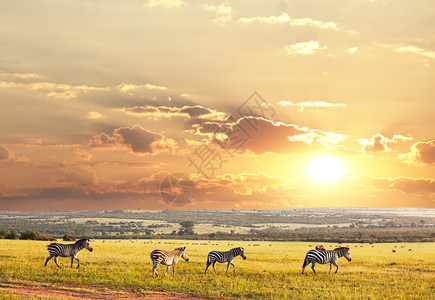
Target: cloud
(421, 153)
(137, 139)
(134, 89)
(93, 115)
(380, 143)
(415, 50)
(53, 90)
(353, 32)
(195, 112)
(269, 136)
(241, 183)
(352, 50)
(284, 18)
(81, 154)
(404, 184)
(399, 137)
(77, 177)
(311, 104)
(79, 189)
(19, 75)
(315, 23)
(224, 13)
(8, 156)
(165, 3)
(4, 153)
(377, 143)
(304, 48)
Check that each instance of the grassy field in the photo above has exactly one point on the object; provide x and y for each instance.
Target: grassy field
(272, 270)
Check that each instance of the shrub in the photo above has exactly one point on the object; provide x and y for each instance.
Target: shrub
(69, 238)
(33, 235)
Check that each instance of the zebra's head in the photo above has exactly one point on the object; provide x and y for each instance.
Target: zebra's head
(85, 244)
(183, 253)
(346, 253)
(241, 252)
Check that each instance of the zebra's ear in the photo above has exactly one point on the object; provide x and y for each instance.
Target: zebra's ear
(184, 248)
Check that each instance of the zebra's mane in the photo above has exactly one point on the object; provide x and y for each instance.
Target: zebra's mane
(180, 248)
(81, 241)
(342, 248)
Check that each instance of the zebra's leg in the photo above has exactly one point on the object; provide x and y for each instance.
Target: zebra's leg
(78, 262)
(228, 267)
(208, 265)
(330, 267)
(336, 270)
(46, 261)
(173, 269)
(214, 263)
(167, 269)
(312, 267)
(155, 269)
(305, 264)
(72, 261)
(234, 267)
(55, 260)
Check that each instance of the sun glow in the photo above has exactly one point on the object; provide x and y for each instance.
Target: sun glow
(325, 169)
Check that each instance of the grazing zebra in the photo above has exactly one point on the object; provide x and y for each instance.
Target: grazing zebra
(324, 257)
(168, 258)
(224, 257)
(67, 250)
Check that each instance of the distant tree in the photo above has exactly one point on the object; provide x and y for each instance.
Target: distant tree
(33, 235)
(186, 228)
(28, 235)
(69, 238)
(11, 235)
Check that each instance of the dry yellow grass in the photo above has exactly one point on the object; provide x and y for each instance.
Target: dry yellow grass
(272, 270)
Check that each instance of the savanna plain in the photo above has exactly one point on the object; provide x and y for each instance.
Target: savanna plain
(272, 270)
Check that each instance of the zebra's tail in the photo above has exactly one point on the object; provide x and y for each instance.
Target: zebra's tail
(208, 260)
(305, 262)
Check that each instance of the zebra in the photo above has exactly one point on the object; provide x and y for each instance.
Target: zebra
(325, 256)
(168, 258)
(224, 257)
(67, 250)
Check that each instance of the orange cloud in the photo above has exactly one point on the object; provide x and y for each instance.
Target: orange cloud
(137, 139)
(268, 136)
(196, 112)
(83, 155)
(422, 153)
(53, 90)
(311, 104)
(377, 143)
(4, 153)
(404, 184)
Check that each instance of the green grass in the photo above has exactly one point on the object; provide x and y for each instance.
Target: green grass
(272, 270)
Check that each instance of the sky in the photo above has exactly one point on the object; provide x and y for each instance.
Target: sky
(217, 104)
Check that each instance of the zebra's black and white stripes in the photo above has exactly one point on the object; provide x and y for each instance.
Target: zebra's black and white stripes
(324, 257)
(224, 257)
(67, 250)
(168, 258)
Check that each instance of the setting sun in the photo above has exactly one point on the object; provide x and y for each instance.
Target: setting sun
(325, 169)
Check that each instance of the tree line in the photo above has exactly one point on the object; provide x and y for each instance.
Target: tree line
(333, 235)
